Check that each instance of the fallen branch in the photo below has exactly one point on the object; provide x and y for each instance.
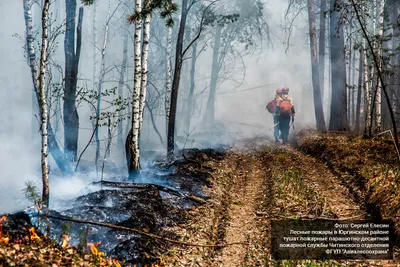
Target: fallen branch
(141, 232)
(151, 186)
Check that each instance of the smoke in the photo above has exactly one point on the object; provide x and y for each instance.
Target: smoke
(239, 109)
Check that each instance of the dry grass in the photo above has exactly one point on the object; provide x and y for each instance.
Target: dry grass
(373, 165)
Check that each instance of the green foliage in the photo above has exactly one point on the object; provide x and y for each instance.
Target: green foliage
(82, 244)
(31, 193)
(167, 9)
(87, 2)
(109, 116)
(212, 19)
(66, 228)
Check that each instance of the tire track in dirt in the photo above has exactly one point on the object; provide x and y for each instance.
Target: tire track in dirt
(242, 225)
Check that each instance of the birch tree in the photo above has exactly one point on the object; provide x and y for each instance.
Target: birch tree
(43, 104)
(366, 84)
(54, 148)
(359, 89)
(144, 61)
(140, 70)
(319, 112)
(168, 78)
(378, 100)
(132, 144)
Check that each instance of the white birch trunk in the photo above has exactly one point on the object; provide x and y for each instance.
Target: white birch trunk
(31, 53)
(367, 94)
(168, 76)
(145, 55)
(378, 100)
(30, 46)
(43, 105)
(134, 142)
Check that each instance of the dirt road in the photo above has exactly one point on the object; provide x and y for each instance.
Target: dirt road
(250, 187)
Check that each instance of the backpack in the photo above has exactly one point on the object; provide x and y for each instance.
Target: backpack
(285, 108)
(271, 106)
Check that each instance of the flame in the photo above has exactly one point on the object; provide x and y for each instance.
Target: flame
(93, 249)
(116, 263)
(65, 241)
(33, 235)
(110, 262)
(2, 238)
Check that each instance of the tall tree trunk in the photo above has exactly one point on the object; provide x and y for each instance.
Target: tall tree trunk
(95, 57)
(168, 77)
(145, 55)
(121, 83)
(43, 105)
(360, 82)
(378, 100)
(329, 88)
(388, 62)
(322, 35)
(319, 111)
(54, 148)
(209, 115)
(338, 118)
(353, 89)
(349, 85)
(189, 104)
(175, 82)
(30, 48)
(395, 7)
(71, 118)
(100, 83)
(367, 92)
(133, 136)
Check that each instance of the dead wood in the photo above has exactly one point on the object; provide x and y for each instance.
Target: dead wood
(151, 187)
(141, 232)
(192, 160)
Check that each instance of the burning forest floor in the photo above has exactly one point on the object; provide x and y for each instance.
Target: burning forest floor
(216, 207)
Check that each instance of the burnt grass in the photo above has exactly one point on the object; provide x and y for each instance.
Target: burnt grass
(146, 209)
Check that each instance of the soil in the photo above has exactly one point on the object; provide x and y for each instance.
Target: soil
(249, 188)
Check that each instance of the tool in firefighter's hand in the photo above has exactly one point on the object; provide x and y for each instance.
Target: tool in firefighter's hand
(273, 126)
(293, 122)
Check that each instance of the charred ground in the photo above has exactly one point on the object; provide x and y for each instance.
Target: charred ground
(222, 197)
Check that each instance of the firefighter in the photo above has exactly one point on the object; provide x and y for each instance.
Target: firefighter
(284, 112)
(278, 97)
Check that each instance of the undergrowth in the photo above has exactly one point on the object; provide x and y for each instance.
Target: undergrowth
(373, 164)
